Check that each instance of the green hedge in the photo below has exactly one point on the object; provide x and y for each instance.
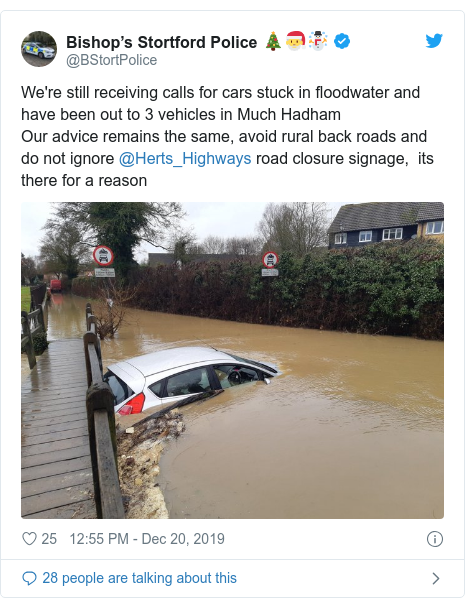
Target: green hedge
(385, 288)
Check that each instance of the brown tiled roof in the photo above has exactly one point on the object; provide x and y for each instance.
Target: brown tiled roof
(431, 210)
(371, 215)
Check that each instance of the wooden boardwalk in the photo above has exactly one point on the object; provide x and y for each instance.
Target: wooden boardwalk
(56, 474)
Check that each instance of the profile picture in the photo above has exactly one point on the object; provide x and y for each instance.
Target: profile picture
(39, 49)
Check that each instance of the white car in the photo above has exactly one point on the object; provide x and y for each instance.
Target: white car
(165, 377)
(35, 48)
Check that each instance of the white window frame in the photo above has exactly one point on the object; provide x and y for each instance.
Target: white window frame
(433, 224)
(340, 238)
(366, 232)
(398, 233)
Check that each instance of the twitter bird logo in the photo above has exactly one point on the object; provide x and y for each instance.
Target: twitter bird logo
(434, 41)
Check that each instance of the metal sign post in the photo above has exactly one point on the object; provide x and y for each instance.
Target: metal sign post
(270, 259)
(104, 256)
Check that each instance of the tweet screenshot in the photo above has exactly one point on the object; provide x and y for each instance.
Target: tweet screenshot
(234, 375)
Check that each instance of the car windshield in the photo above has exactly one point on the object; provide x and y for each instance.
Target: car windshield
(253, 362)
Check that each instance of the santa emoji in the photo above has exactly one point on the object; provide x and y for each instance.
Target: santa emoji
(295, 40)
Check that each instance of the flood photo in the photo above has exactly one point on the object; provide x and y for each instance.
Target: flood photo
(232, 361)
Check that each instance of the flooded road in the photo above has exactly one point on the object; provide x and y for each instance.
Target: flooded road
(353, 428)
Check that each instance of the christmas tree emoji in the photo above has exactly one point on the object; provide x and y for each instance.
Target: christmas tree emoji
(273, 43)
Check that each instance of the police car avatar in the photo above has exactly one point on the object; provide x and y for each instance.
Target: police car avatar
(34, 48)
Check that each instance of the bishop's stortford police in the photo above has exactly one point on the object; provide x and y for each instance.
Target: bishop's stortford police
(230, 42)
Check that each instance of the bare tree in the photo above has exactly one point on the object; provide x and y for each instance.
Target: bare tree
(245, 246)
(297, 227)
(213, 245)
(239, 246)
(110, 309)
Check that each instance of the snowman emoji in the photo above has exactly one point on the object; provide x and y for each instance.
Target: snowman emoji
(318, 40)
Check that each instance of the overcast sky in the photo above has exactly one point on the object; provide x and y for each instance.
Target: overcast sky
(220, 219)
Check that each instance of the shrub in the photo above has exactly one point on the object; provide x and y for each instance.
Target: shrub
(389, 288)
(40, 342)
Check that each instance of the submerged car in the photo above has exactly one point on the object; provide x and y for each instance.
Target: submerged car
(165, 377)
(34, 48)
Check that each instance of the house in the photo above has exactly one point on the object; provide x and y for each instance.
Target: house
(356, 225)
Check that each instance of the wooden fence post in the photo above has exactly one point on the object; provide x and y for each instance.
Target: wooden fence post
(89, 338)
(100, 398)
(91, 319)
(102, 428)
(29, 344)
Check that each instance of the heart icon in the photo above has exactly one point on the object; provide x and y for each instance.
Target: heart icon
(29, 538)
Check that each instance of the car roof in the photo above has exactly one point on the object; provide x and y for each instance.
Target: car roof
(165, 360)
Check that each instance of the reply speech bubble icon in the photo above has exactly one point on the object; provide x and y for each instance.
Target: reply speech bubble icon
(29, 577)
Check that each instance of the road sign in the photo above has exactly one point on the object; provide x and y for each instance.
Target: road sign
(104, 272)
(270, 259)
(103, 255)
(270, 272)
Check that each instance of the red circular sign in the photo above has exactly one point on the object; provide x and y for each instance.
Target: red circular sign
(270, 259)
(103, 255)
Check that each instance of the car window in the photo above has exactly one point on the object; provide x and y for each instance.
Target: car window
(119, 388)
(156, 388)
(233, 375)
(254, 362)
(189, 382)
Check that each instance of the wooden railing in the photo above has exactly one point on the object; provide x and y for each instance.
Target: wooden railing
(31, 324)
(101, 424)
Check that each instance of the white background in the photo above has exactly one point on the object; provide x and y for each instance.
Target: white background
(387, 50)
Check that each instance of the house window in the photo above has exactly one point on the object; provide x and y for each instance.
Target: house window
(341, 238)
(435, 227)
(392, 234)
(365, 236)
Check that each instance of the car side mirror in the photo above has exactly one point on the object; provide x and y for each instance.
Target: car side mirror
(267, 381)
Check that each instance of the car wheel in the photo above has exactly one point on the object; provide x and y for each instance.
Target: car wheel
(41, 55)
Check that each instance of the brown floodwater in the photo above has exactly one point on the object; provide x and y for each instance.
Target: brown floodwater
(352, 428)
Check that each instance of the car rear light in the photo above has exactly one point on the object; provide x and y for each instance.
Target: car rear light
(134, 405)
